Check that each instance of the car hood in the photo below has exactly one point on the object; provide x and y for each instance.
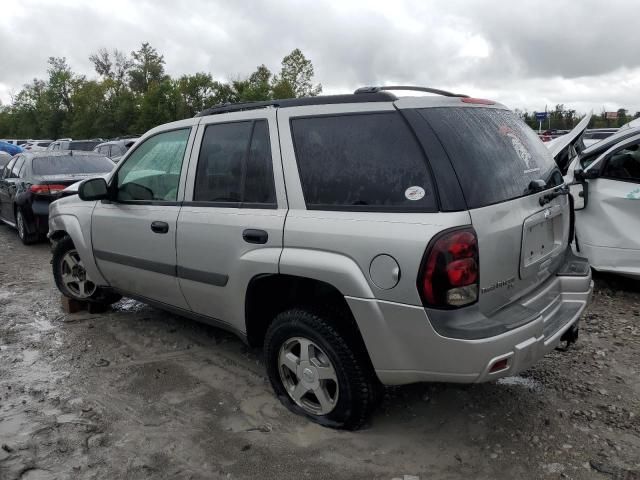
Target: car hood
(631, 124)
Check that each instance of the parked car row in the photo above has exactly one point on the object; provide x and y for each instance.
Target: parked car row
(361, 239)
(113, 149)
(29, 182)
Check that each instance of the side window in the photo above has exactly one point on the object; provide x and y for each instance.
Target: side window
(7, 170)
(235, 165)
(624, 164)
(152, 171)
(15, 171)
(361, 162)
(23, 169)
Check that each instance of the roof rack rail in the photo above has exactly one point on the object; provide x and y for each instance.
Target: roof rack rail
(377, 96)
(407, 87)
(236, 107)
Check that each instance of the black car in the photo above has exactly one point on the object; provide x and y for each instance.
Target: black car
(31, 181)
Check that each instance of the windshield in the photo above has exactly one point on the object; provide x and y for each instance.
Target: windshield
(71, 165)
(495, 155)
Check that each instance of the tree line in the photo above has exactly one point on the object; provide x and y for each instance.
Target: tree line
(133, 93)
(563, 118)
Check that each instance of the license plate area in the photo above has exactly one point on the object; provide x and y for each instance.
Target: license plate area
(541, 239)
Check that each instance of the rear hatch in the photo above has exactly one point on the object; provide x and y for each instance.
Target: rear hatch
(496, 157)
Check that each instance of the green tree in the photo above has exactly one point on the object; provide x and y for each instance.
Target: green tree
(295, 78)
(131, 94)
(113, 67)
(147, 68)
(159, 105)
(622, 117)
(196, 93)
(254, 88)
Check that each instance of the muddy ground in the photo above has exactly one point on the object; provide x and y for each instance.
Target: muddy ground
(139, 393)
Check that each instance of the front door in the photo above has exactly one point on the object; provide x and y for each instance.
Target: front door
(134, 234)
(231, 224)
(608, 229)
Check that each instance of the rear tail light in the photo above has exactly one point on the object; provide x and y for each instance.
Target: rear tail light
(450, 273)
(46, 189)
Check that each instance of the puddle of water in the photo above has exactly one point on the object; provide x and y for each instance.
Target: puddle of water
(128, 305)
(525, 382)
(38, 474)
(13, 425)
(43, 324)
(30, 356)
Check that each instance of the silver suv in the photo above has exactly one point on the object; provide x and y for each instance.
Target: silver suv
(363, 240)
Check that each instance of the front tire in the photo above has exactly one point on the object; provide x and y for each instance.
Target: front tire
(316, 370)
(71, 277)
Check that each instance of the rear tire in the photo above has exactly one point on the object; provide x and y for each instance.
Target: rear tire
(317, 371)
(23, 232)
(71, 278)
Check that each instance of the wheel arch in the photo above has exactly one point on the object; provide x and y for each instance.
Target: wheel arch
(268, 295)
(61, 226)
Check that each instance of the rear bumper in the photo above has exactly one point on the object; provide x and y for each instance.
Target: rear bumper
(405, 348)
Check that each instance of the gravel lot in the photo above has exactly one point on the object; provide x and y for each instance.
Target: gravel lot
(139, 393)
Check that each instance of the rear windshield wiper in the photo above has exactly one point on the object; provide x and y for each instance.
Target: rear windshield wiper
(561, 190)
(540, 185)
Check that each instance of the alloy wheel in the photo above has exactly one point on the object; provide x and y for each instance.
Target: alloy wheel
(20, 224)
(74, 276)
(308, 376)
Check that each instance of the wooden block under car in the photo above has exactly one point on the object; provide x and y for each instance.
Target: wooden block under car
(71, 306)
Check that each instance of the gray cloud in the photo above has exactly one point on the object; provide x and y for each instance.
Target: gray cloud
(523, 53)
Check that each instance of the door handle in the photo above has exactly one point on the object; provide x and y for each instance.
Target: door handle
(159, 227)
(252, 235)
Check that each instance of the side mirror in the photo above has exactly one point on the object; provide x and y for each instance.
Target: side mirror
(580, 194)
(93, 189)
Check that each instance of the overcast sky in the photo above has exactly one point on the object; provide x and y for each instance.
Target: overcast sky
(525, 54)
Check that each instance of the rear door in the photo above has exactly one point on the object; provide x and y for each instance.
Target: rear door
(7, 190)
(134, 235)
(495, 157)
(231, 223)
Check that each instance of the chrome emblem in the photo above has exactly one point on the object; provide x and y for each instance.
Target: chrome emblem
(547, 214)
(308, 375)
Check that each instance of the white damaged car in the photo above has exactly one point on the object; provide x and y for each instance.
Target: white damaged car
(607, 204)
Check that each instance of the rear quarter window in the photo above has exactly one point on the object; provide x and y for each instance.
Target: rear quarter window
(495, 155)
(361, 162)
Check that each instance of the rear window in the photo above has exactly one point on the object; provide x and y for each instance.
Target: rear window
(363, 162)
(83, 146)
(69, 164)
(495, 155)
